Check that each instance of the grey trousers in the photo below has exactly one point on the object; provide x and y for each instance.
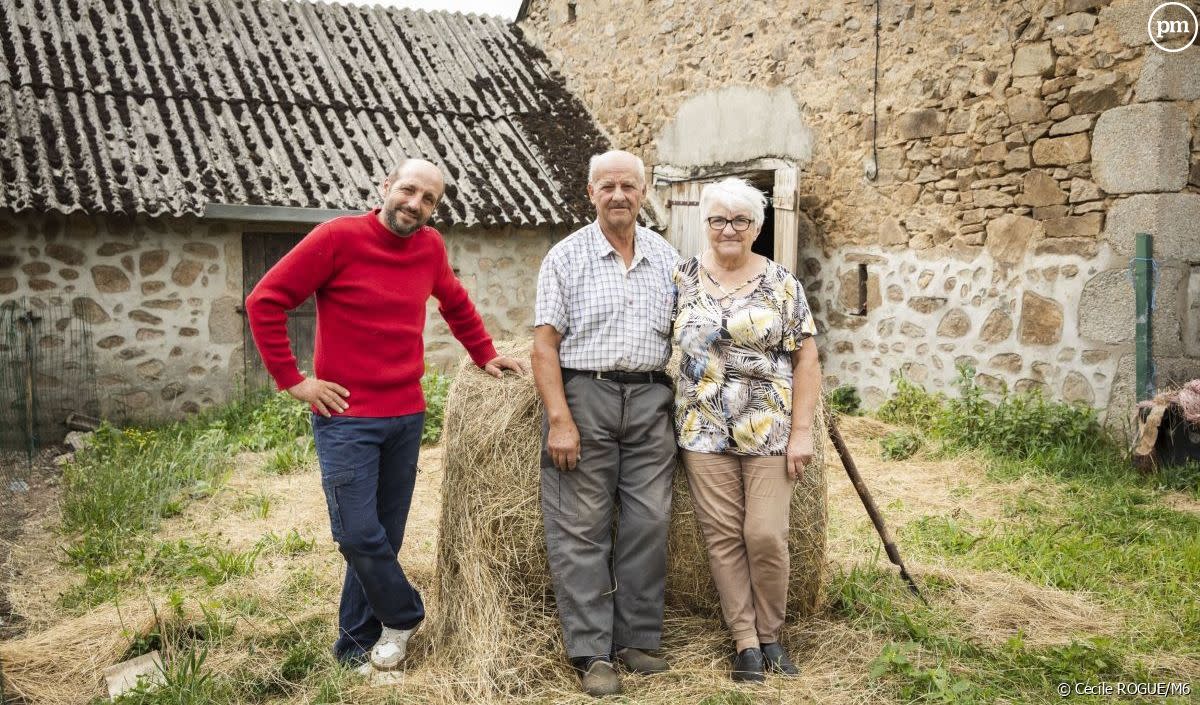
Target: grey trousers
(611, 591)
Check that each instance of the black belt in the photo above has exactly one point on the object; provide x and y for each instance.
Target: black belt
(620, 376)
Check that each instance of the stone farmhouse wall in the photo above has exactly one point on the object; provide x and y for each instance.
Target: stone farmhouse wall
(162, 298)
(1021, 145)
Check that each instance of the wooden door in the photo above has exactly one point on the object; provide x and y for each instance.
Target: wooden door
(787, 226)
(260, 252)
(686, 231)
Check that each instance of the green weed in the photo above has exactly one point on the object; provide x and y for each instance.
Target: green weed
(844, 400)
(264, 421)
(185, 682)
(436, 385)
(292, 458)
(910, 405)
(170, 560)
(1017, 425)
(900, 445)
(302, 658)
(932, 685)
(257, 504)
(931, 658)
(290, 544)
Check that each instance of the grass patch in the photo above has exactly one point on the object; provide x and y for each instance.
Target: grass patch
(1082, 521)
(126, 481)
(256, 504)
(931, 659)
(263, 421)
(436, 385)
(1013, 426)
(182, 560)
(910, 405)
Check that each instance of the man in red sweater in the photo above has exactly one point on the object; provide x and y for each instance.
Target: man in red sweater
(372, 275)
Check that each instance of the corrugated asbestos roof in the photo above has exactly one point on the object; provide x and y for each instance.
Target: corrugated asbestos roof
(165, 106)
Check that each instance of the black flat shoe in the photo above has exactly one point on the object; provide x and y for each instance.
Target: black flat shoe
(777, 660)
(748, 666)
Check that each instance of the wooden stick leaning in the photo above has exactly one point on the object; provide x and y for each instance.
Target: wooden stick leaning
(876, 518)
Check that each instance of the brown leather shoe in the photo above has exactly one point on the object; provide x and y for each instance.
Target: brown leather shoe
(638, 661)
(600, 679)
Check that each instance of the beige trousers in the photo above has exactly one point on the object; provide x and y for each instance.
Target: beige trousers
(742, 505)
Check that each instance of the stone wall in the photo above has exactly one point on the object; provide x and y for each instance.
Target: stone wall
(1020, 146)
(161, 297)
(499, 267)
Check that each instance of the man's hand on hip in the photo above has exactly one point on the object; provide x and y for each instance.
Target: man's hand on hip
(562, 442)
(324, 396)
(500, 363)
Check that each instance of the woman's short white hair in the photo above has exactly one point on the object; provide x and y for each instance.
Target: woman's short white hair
(736, 194)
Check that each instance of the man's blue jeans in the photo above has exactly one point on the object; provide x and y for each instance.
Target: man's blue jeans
(368, 471)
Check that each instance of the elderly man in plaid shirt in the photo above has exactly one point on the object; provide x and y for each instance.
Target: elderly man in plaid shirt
(605, 302)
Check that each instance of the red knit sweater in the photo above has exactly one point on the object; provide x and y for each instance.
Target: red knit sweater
(371, 289)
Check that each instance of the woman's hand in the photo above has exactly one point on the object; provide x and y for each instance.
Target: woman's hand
(799, 452)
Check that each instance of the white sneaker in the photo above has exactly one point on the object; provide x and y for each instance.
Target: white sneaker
(389, 651)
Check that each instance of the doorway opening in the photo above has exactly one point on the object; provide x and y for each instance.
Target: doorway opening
(680, 188)
(765, 244)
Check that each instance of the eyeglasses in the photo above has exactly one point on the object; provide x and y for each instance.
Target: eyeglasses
(740, 223)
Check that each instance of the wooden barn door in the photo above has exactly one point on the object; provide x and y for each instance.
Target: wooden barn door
(260, 251)
(686, 231)
(787, 226)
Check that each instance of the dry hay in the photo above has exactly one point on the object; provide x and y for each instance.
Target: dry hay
(996, 606)
(495, 626)
(48, 666)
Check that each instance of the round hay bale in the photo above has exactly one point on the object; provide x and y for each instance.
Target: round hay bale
(495, 622)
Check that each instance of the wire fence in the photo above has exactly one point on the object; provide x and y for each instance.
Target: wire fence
(48, 382)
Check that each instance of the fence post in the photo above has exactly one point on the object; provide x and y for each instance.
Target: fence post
(30, 319)
(1143, 263)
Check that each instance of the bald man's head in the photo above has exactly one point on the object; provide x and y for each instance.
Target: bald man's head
(419, 165)
(410, 195)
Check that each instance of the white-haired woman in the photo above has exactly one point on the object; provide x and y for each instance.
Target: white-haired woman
(745, 398)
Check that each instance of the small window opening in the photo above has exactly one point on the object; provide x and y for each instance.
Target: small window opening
(862, 291)
(570, 12)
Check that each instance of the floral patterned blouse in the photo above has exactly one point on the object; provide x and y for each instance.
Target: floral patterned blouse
(734, 390)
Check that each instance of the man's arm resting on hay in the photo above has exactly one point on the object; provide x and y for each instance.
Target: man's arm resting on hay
(806, 385)
(562, 441)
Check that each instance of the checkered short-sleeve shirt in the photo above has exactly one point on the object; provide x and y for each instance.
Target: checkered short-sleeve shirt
(609, 319)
